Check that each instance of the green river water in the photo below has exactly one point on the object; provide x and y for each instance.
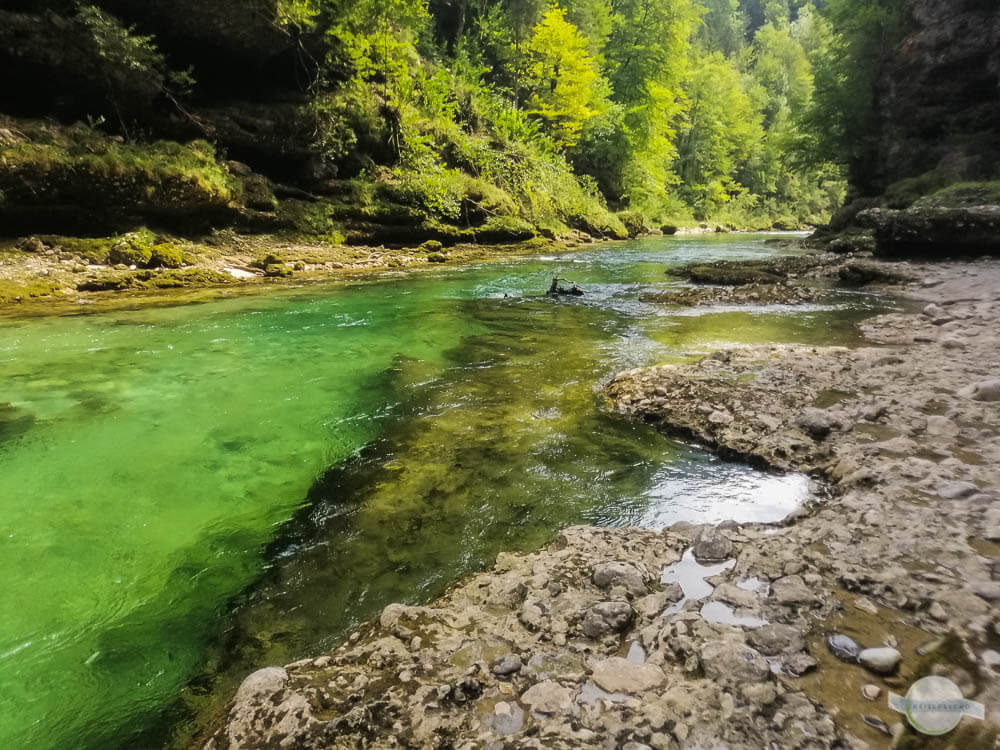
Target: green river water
(192, 492)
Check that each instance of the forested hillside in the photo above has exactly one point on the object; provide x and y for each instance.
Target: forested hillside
(399, 121)
(509, 117)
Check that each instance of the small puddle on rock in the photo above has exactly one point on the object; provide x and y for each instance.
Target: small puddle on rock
(721, 613)
(691, 575)
(754, 584)
(636, 653)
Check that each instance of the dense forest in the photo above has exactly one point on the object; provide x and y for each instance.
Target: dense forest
(510, 118)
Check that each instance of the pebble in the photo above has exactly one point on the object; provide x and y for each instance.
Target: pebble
(882, 660)
(870, 692)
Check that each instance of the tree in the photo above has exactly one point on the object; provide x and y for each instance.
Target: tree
(563, 83)
(720, 129)
(847, 47)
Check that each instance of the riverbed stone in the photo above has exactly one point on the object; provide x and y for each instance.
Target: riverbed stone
(711, 546)
(941, 426)
(878, 512)
(509, 664)
(733, 662)
(986, 390)
(792, 590)
(607, 617)
(776, 638)
(548, 697)
(816, 423)
(882, 660)
(619, 675)
(619, 573)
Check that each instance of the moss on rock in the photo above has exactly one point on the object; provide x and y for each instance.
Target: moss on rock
(80, 178)
(12, 291)
(154, 279)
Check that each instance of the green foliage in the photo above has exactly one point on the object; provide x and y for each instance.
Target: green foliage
(846, 43)
(720, 130)
(561, 78)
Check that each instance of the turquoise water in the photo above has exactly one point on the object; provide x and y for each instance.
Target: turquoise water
(189, 492)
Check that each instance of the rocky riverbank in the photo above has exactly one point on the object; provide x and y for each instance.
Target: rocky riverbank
(708, 637)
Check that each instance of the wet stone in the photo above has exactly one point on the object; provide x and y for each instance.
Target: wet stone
(843, 647)
(882, 660)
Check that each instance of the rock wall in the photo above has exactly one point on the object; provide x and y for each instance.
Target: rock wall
(939, 94)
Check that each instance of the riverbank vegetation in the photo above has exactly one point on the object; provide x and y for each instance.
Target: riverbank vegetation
(402, 121)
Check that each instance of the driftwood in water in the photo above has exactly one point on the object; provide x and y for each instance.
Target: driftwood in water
(573, 290)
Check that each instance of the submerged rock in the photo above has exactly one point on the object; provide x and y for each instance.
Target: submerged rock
(843, 647)
(883, 660)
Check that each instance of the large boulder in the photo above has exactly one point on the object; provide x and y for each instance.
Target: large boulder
(935, 231)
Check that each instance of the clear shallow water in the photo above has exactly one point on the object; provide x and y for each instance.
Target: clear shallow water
(150, 462)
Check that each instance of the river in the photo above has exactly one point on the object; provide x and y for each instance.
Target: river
(190, 492)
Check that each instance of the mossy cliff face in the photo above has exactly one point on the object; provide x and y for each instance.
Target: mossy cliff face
(74, 178)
